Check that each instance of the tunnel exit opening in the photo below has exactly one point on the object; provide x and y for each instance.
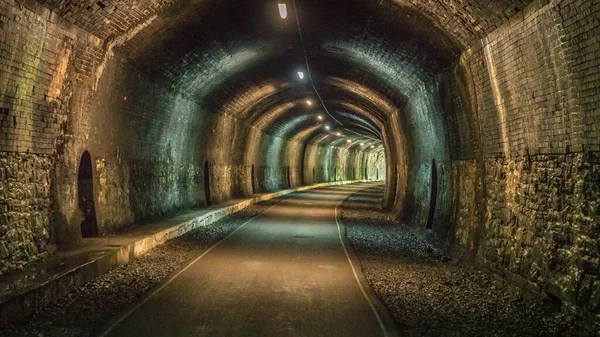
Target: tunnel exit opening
(85, 189)
(433, 199)
(207, 196)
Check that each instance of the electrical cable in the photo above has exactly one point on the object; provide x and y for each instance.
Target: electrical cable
(312, 83)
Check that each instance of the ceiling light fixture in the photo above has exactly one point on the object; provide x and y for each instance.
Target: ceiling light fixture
(282, 10)
(327, 127)
(338, 134)
(372, 146)
(309, 102)
(362, 144)
(320, 117)
(349, 141)
(301, 75)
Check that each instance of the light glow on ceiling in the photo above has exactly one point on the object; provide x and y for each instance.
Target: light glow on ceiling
(282, 10)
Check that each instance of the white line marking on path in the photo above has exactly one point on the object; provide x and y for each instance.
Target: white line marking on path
(132, 310)
(362, 289)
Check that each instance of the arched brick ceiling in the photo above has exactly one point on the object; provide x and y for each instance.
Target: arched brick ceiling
(465, 20)
(370, 55)
(243, 54)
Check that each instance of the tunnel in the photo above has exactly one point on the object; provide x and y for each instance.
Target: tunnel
(470, 125)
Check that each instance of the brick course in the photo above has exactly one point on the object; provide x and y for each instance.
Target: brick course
(536, 99)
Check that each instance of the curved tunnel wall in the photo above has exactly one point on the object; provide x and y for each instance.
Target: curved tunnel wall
(167, 138)
(511, 124)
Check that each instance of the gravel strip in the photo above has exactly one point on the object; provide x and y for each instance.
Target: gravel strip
(430, 295)
(96, 302)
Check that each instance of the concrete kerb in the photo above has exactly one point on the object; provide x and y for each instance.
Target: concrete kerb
(28, 301)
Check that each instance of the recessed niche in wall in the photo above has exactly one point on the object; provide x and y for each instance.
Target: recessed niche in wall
(253, 178)
(85, 189)
(207, 196)
(433, 198)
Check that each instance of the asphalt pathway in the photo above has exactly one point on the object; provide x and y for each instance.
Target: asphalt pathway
(287, 272)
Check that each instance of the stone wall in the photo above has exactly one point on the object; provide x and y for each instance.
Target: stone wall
(24, 209)
(467, 206)
(542, 223)
(41, 59)
(526, 194)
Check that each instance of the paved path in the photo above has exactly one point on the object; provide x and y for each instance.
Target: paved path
(287, 272)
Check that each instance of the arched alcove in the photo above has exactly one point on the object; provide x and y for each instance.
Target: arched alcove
(85, 192)
(207, 195)
(253, 178)
(434, 192)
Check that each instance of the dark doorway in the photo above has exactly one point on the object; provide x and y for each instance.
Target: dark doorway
(377, 174)
(289, 178)
(314, 181)
(253, 177)
(301, 174)
(353, 173)
(207, 184)
(433, 200)
(85, 189)
(335, 174)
